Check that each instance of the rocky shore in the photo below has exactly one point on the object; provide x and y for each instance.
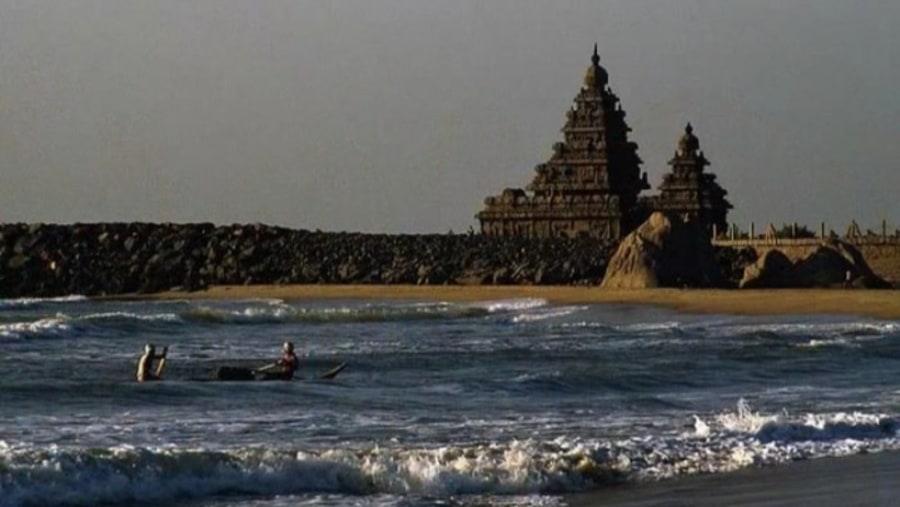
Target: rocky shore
(123, 258)
(43, 260)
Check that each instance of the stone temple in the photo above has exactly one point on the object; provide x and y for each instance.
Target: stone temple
(590, 186)
(689, 191)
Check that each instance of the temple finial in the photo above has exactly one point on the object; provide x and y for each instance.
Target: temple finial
(688, 144)
(595, 78)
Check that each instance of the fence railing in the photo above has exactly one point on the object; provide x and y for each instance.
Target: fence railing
(794, 235)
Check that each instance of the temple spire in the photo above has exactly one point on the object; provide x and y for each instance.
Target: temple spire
(689, 191)
(596, 77)
(688, 145)
(590, 184)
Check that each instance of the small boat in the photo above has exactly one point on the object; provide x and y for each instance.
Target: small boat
(237, 373)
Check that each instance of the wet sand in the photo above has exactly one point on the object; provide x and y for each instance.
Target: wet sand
(862, 480)
(873, 303)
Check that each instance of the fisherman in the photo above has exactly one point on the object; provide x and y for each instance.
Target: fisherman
(288, 362)
(145, 370)
(288, 365)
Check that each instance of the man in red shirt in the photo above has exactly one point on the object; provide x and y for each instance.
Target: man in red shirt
(288, 362)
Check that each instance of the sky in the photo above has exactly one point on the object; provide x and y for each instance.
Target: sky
(401, 116)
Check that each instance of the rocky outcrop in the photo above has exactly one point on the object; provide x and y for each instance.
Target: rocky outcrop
(664, 252)
(733, 261)
(122, 258)
(832, 264)
(772, 270)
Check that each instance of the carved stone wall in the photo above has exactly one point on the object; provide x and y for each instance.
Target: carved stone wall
(880, 249)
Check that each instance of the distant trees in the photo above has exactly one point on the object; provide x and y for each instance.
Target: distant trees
(788, 231)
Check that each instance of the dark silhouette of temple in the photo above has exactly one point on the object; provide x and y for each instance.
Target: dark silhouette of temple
(689, 191)
(590, 186)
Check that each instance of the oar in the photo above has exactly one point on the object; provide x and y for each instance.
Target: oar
(265, 368)
(162, 362)
(330, 374)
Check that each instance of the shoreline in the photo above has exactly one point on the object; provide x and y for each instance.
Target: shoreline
(883, 304)
(859, 479)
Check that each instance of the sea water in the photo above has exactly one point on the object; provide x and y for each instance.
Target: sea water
(510, 403)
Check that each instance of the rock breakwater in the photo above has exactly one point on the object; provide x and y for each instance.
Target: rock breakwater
(123, 258)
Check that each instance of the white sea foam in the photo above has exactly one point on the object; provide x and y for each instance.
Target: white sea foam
(50, 326)
(270, 313)
(815, 343)
(61, 323)
(744, 419)
(74, 298)
(547, 313)
(164, 317)
(274, 312)
(531, 377)
(723, 442)
(510, 305)
(851, 328)
(585, 324)
(650, 326)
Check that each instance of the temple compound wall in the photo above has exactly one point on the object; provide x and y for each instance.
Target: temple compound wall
(884, 260)
(880, 250)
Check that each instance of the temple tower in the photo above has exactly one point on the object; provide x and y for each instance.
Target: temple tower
(689, 191)
(590, 184)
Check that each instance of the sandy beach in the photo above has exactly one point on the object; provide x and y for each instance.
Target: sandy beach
(862, 480)
(873, 303)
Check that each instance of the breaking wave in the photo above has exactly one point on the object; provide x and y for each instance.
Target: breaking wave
(274, 314)
(508, 305)
(831, 329)
(25, 302)
(267, 312)
(722, 443)
(62, 325)
(264, 312)
(539, 314)
(41, 328)
(277, 311)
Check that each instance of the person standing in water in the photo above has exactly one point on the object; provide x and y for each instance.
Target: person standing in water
(145, 370)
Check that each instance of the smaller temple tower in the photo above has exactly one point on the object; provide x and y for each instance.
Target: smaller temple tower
(689, 191)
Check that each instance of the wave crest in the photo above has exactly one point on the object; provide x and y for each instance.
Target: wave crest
(729, 442)
(278, 313)
(121, 475)
(20, 302)
(46, 327)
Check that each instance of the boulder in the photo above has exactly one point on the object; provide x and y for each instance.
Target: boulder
(664, 251)
(828, 265)
(824, 267)
(771, 270)
(114, 258)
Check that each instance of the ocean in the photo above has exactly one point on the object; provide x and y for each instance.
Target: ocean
(494, 403)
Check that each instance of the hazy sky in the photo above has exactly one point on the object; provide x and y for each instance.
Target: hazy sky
(402, 116)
